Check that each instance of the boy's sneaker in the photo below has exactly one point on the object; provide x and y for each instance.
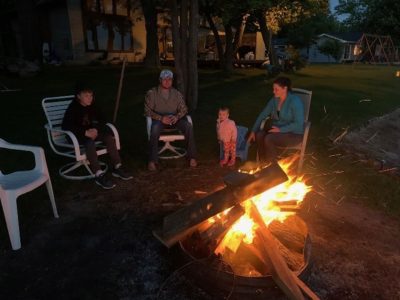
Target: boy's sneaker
(120, 173)
(104, 182)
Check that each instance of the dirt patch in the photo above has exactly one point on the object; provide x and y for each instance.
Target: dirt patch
(102, 245)
(379, 140)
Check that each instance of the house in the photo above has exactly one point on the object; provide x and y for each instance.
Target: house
(347, 39)
(84, 30)
(74, 30)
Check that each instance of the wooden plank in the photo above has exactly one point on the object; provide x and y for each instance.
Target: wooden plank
(280, 272)
(185, 221)
(268, 266)
(306, 290)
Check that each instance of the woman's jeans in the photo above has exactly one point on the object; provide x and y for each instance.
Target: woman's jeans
(267, 143)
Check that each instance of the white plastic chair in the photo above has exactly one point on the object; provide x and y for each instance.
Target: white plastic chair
(169, 151)
(54, 108)
(305, 96)
(15, 184)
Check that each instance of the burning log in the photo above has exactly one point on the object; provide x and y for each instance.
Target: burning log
(186, 220)
(291, 232)
(284, 278)
(216, 231)
(281, 274)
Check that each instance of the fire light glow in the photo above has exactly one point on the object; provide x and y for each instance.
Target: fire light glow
(295, 189)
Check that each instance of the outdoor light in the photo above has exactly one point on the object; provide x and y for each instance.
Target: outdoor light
(398, 74)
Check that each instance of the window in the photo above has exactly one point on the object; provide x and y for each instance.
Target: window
(107, 25)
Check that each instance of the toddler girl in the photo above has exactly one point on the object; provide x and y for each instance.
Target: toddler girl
(227, 135)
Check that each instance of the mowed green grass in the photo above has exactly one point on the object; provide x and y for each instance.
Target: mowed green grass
(337, 92)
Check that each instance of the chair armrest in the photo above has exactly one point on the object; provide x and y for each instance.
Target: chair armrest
(149, 121)
(70, 134)
(38, 153)
(189, 118)
(116, 135)
(262, 124)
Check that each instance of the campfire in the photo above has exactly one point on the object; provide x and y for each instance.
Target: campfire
(234, 231)
(250, 225)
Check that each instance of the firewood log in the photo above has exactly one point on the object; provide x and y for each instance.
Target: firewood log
(280, 272)
(288, 233)
(218, 229)
(186, 220)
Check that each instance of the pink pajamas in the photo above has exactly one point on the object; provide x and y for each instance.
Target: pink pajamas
(227, 135)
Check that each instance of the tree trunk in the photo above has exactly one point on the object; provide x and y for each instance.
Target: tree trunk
(218, 42)
(239, 35)
(185, 24)
(152, 52)
(228, 48)
(183, 30)
(267, 37)
(177, 46)
(192, 55)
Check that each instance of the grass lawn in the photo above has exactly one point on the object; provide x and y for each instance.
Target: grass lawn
(102, 245)
(337, 91)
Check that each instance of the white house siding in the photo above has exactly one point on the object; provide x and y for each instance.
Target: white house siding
(315, 56)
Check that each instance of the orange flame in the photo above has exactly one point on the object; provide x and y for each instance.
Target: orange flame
(295, 189)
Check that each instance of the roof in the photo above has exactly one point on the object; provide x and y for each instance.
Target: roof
(345, 37)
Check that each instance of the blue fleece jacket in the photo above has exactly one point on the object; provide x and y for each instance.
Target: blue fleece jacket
(291, 115)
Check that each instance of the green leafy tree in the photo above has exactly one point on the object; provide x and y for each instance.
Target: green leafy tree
(332, 48)
(372, 16)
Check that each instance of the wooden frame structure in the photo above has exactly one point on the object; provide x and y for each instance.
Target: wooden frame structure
(376, 49)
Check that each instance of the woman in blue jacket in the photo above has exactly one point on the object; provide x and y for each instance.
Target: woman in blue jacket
(286, 112)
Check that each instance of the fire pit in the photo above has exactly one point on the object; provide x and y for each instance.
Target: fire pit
(246, 234)
(220, 279)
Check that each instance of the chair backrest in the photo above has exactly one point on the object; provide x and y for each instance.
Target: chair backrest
(54, 109)
(305, 96)
(241, 137)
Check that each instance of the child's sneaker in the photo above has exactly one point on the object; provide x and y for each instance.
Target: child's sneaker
(231, 163)
(223, 162)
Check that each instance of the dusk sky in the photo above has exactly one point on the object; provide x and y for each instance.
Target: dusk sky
(332, 4)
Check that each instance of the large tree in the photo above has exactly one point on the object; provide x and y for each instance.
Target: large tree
(232, 16)
(271, 16)
(276, 14)
(185, 27)
(372, 16)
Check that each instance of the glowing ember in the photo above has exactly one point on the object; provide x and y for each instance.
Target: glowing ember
(294, 190)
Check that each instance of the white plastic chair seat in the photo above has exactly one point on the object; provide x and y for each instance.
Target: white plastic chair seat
(169, 151)
(28, 180)
(172, 137)
(15, 184)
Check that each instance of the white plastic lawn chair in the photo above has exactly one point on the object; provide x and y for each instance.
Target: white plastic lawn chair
(169, 151)
(305, 97)
(15, 184)
(54, 108)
